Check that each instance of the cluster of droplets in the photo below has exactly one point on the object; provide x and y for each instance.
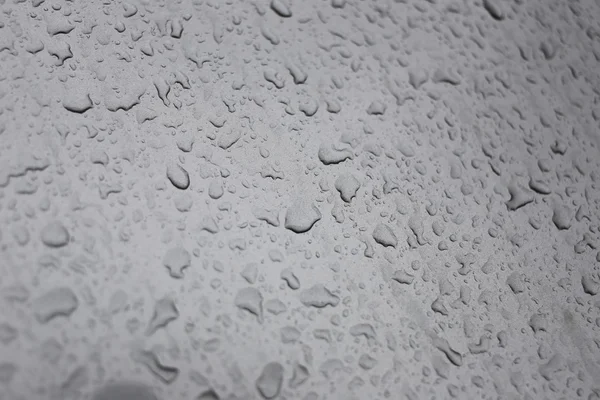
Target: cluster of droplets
(321, 199)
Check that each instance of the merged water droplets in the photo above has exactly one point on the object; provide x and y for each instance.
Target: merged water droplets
(318, 296)
(519, 197)
(384, 235)
(165, 311)
(250, 299)
(176, 260)
(347, 185)
(56, 302)
(301, 216)
(150, 359)
(329, 154)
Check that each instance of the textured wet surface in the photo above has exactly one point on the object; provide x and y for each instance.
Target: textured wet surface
(316, 199)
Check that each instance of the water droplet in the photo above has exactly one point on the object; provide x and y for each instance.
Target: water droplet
(250, 299)
(165, 312)
(55, 235)
(178, 176)
(270, 380)
(318, 296)
(54, 303)
(176, 260)
(281, 8)
(301, 216)
(384, 235)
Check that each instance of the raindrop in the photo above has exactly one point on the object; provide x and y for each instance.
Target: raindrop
(270, 380)
(55, 235)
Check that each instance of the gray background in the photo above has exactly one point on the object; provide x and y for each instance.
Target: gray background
(316, 199)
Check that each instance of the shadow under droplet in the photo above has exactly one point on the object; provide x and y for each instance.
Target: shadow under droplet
(124, 391)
